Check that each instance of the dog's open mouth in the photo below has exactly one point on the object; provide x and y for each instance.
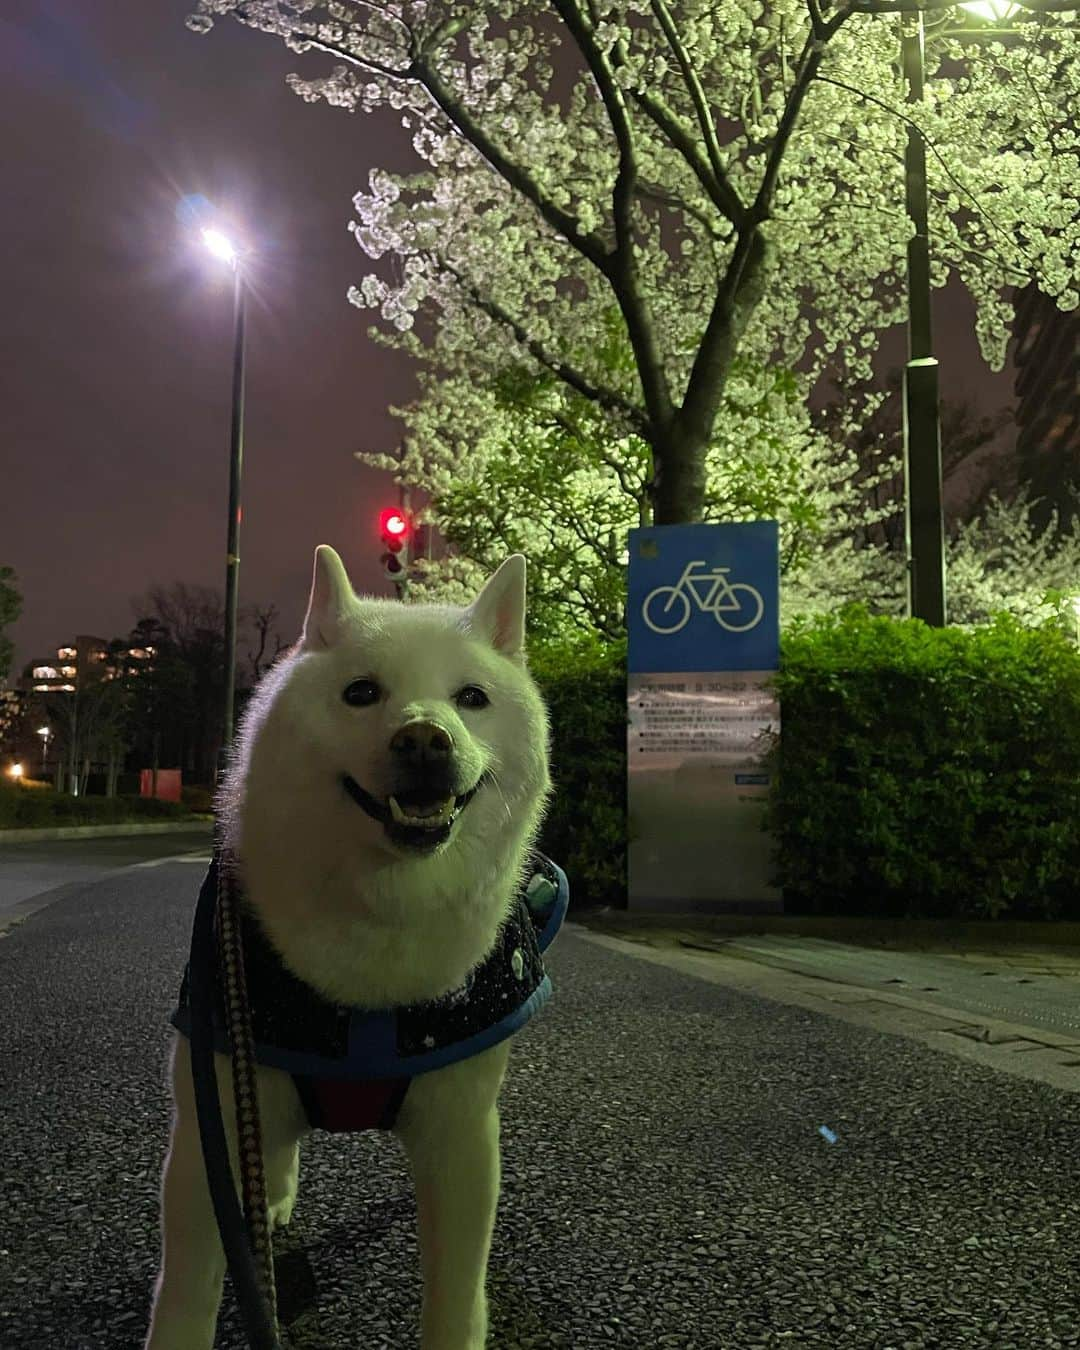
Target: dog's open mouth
(415, 819)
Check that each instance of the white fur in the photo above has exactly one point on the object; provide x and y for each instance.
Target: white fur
(366, 923)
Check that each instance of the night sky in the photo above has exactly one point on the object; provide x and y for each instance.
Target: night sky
(117, 329)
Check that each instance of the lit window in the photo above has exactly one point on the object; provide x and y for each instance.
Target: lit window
(46, 673)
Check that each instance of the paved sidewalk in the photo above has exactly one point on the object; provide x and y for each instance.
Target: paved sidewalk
(1014, 1007)
(1051, 949)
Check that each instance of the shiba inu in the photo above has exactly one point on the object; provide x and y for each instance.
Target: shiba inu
(380, 812)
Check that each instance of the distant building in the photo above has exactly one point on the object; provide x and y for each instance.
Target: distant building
(88, 660)
(1047, 358)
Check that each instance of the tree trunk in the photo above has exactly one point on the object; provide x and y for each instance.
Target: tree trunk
(677, 491)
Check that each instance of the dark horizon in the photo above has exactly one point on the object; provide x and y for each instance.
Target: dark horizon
(119, 339)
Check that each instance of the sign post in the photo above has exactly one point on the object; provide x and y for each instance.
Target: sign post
(703, 611)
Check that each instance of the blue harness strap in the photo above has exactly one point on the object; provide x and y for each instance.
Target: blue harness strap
(352, 1067)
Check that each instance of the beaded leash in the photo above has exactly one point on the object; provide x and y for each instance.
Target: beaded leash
(242, 1043)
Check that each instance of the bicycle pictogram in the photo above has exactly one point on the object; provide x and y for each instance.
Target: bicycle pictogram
(735, 598)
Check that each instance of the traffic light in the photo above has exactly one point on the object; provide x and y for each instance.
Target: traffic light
(395, 528)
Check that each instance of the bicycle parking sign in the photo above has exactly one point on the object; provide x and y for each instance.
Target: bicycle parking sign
(704, 597)
(704, 644)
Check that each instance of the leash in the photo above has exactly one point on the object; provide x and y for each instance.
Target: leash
(245, 1236)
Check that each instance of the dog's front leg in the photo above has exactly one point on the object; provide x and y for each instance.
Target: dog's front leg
(456, 1197)
(189, 1284)
(188, 1289)
(450, 1130)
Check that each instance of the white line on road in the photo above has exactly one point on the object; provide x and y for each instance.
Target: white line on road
(175, 857)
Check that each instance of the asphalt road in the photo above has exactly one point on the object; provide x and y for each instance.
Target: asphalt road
(687, 1163)
(31, 870)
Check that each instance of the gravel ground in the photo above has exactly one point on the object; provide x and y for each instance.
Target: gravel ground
(665, 1183)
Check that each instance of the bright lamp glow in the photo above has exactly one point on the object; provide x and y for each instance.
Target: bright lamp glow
(219, 245)
(991, 10)
(15, 771)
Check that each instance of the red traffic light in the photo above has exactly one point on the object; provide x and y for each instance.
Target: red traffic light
(393, 525)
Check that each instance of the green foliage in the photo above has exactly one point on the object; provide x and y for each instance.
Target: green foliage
(10, 609)
(584, 685)
(928, 772)
(24, 808)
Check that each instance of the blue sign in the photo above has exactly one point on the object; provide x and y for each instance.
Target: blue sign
(704, 597)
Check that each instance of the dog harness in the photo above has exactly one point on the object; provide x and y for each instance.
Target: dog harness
(352, 1066)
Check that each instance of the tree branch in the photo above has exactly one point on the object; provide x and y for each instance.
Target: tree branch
(420, 71)
(722, 195)
(806, 69)
(693, 85)
(621, 267)
(961, 188)
(651, 192)
(604, 398)
(588, 244)
(744, 280)
(615, 106)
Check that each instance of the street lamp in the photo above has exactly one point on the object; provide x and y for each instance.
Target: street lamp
(221, 246)
(44, 733)
(924, 514)
(16, 771)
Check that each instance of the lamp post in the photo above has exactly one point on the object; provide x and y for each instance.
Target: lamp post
(44, 733)
(222, 247)
(923, 505)
(924, 519)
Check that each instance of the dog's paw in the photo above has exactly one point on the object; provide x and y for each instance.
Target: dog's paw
(280, 1215)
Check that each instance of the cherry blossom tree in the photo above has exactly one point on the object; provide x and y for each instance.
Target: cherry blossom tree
(520, 463)
(718, 180)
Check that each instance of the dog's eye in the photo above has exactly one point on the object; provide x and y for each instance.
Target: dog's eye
(472, 697)
(361, 693)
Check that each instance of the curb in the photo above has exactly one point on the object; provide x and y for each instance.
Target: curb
(119, 830)
(858, 931)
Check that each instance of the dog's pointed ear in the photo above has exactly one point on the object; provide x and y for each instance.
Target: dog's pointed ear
(331, 599)
(498, 612)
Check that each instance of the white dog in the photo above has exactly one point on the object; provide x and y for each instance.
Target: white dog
(388, 784)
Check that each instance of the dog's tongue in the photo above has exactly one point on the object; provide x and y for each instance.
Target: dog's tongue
(421, 810)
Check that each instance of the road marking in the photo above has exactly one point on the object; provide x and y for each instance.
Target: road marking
(175, 857)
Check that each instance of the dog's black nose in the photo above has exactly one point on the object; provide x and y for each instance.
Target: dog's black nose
(422, 745)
